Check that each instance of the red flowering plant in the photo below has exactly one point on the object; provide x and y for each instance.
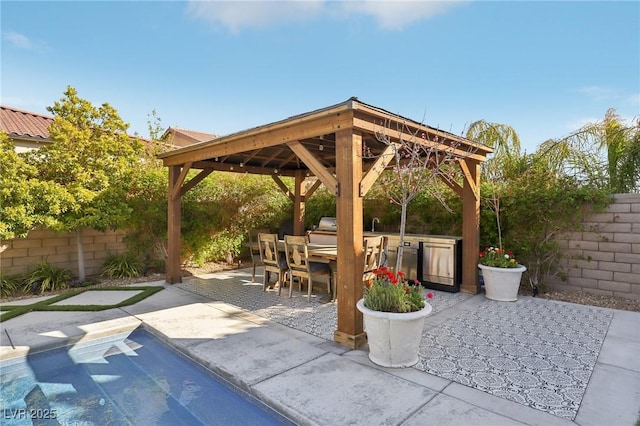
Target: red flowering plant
(391, 292)
(498, 258)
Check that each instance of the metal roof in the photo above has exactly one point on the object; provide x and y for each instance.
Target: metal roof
(24, 124)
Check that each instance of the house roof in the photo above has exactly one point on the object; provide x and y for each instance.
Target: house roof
(191, 135)
(24, 124)
(20, 124)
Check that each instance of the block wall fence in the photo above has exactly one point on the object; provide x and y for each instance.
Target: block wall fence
(605, 257)
(21, 255)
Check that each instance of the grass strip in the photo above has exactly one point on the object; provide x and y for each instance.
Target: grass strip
(46, 305)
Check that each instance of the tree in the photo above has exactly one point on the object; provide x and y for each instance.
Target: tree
(533, 197)
(506, 144)
(419, 163)
(26, 201)
(538, 208)
(604, 153)
(93, 158)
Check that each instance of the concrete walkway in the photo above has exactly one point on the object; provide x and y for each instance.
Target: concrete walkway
(314, 381)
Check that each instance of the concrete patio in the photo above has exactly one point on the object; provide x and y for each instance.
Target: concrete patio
(533, 362)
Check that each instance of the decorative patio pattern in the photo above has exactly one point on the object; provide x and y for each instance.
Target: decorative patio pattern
(535, 352)
(318, 317)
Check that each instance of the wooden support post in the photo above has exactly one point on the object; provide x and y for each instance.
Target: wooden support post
(470, 225)
(299, 203)
(350, 262)
(173, 232)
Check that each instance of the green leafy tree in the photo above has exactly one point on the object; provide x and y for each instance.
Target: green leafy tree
(93, 158)
(533, 200)
(26, 201)
(540, 206)
(496, 171)
(604, 153)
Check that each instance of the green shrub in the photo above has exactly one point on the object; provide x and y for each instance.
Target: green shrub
(123, 265)
(223, 245)
(322, 203)
(216, 215)
(11, 286)
(48, 277)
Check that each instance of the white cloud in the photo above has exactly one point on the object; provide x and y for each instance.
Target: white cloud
(19, 40)
(390, 14)
(396, 15)
(599, 93)
(236, 15)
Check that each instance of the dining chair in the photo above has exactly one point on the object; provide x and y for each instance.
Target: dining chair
(297, 254)
(272, 260)
(373, 253)
(254, 249)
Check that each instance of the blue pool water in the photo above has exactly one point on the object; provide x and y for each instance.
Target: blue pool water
(123, 380)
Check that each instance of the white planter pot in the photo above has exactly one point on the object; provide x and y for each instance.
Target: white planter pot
(502, 284)
(394, 339)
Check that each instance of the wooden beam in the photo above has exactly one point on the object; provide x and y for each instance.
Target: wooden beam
(396, 134)
(376, 115)
(469, 177)
(378, 167)
(312, 189)
(315, 166)
(286, 160)
(266, 136)
(235, 168)
(350, 263)
(173, 227)
(299, 204)
(283, 187)
(249, 157)
(470, 227)
(175, 191)
(196, 180)
(276, 152)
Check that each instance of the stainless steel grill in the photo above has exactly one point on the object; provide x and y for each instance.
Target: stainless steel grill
(327, 224)
(435, 261)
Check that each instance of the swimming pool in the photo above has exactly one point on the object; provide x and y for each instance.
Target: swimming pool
(131, 379)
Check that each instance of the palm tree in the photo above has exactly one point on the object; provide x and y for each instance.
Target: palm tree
(606, 154)
(506, 144)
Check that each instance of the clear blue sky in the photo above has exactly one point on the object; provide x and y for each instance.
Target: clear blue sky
(545, 68)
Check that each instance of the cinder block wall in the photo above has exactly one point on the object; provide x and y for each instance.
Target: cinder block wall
(21, 255)
(605, 257)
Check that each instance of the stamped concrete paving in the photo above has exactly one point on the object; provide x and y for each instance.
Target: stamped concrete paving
(315, 381)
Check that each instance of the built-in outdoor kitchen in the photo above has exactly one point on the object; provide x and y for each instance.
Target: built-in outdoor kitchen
(434, 260)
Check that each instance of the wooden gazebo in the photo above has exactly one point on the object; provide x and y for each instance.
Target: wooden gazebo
(326, 144)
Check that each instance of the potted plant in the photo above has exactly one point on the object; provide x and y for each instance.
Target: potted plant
(501, 273)
(393, 311)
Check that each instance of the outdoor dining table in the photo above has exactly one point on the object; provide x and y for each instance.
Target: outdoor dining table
(322, 253)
